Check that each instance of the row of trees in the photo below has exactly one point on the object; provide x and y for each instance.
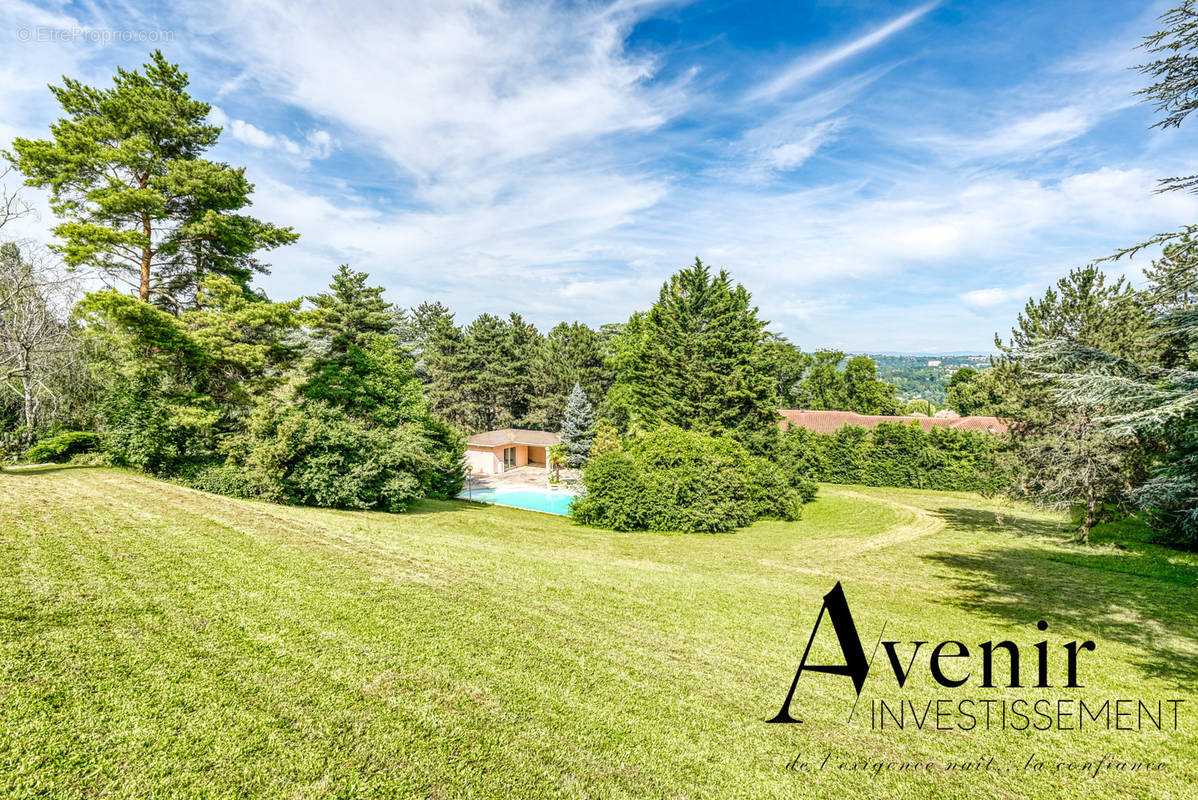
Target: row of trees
(497, 373)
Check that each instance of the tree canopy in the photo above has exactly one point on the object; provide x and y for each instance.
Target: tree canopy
(137, 201)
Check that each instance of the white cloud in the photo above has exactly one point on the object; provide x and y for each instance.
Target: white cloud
(807, 67)
(503, 156)
(996, 295)
(319, 143)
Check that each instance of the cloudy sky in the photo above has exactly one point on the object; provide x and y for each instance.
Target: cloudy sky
(882, 176)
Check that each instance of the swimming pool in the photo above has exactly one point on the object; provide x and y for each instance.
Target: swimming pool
(532, 499)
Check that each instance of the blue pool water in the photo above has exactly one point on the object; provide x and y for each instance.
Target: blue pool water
(532, 499)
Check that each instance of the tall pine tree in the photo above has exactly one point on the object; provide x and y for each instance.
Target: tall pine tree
(137, 201)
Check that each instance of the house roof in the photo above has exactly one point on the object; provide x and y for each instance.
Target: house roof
(832, 421)
(506, 436)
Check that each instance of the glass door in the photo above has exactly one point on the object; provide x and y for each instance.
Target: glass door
(509, 458)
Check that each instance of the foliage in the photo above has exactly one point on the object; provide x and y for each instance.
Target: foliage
(175, 385)
(358, 364)
(897, 454)
(578, 428)
(557, 457)
(1151, 401)
(137, 201)
(482, 377)
(1083, 310)
(356, 431)
(829, 386)
(311, 453)
(607, 439)
(62, 446)
(696, 360)
(788, 364)
(1174, 73)
(922, 377)
(1076, 462)
(919, 406)
(971, 392)
(570, 354)
(677, 480)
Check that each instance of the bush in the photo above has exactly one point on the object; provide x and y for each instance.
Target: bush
(227, 479)
(63, 446)
(310, 453)
(145, 430)
(898, 454)
(675, 480)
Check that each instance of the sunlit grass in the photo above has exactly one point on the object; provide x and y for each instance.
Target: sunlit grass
(160, 642)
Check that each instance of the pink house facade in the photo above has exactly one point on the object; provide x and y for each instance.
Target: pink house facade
(498, 451)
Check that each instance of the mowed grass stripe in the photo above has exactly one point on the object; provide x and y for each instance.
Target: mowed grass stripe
(161, 641)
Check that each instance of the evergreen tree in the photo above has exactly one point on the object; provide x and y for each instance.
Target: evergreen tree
(486, 379)
(1171, 291)
(788, 364)
(571, 353)
(696, 360)
(359, 365)
(1065, 455)
(516, 374)
(446, 358)
(138, 203)
(578, 428)
(1153, 402)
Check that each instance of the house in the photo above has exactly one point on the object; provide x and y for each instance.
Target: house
(493, 452)
(832, 421)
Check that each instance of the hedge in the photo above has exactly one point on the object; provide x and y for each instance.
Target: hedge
(899, 454)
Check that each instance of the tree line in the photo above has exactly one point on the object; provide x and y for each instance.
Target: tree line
(345, 399)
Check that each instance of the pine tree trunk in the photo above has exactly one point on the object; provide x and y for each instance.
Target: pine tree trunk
(146, 253)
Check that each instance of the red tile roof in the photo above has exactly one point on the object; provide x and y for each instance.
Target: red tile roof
(832, 421)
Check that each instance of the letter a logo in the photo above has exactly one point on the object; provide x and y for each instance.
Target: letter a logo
(855, 666)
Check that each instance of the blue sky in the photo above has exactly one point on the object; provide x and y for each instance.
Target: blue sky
(882, 176)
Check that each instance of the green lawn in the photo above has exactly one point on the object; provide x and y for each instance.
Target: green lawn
(160, 642)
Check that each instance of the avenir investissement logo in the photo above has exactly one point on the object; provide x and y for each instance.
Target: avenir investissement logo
(953, 665)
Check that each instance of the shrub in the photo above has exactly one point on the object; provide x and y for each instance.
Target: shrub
(226, 479)
(675, 480)
(310, 453)
(63, 446)
(145, 430)
(898, 454)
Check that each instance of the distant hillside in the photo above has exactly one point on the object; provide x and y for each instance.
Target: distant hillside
(923, 376)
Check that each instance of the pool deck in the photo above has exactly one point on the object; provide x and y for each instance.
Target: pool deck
(533, 477)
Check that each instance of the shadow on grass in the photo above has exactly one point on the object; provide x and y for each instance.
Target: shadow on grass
(41, 469)
(974, 520)
(1125, 590)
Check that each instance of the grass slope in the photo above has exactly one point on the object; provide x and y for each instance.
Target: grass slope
(160, 642)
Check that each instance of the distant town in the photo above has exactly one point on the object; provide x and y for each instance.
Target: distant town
(923, 377)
